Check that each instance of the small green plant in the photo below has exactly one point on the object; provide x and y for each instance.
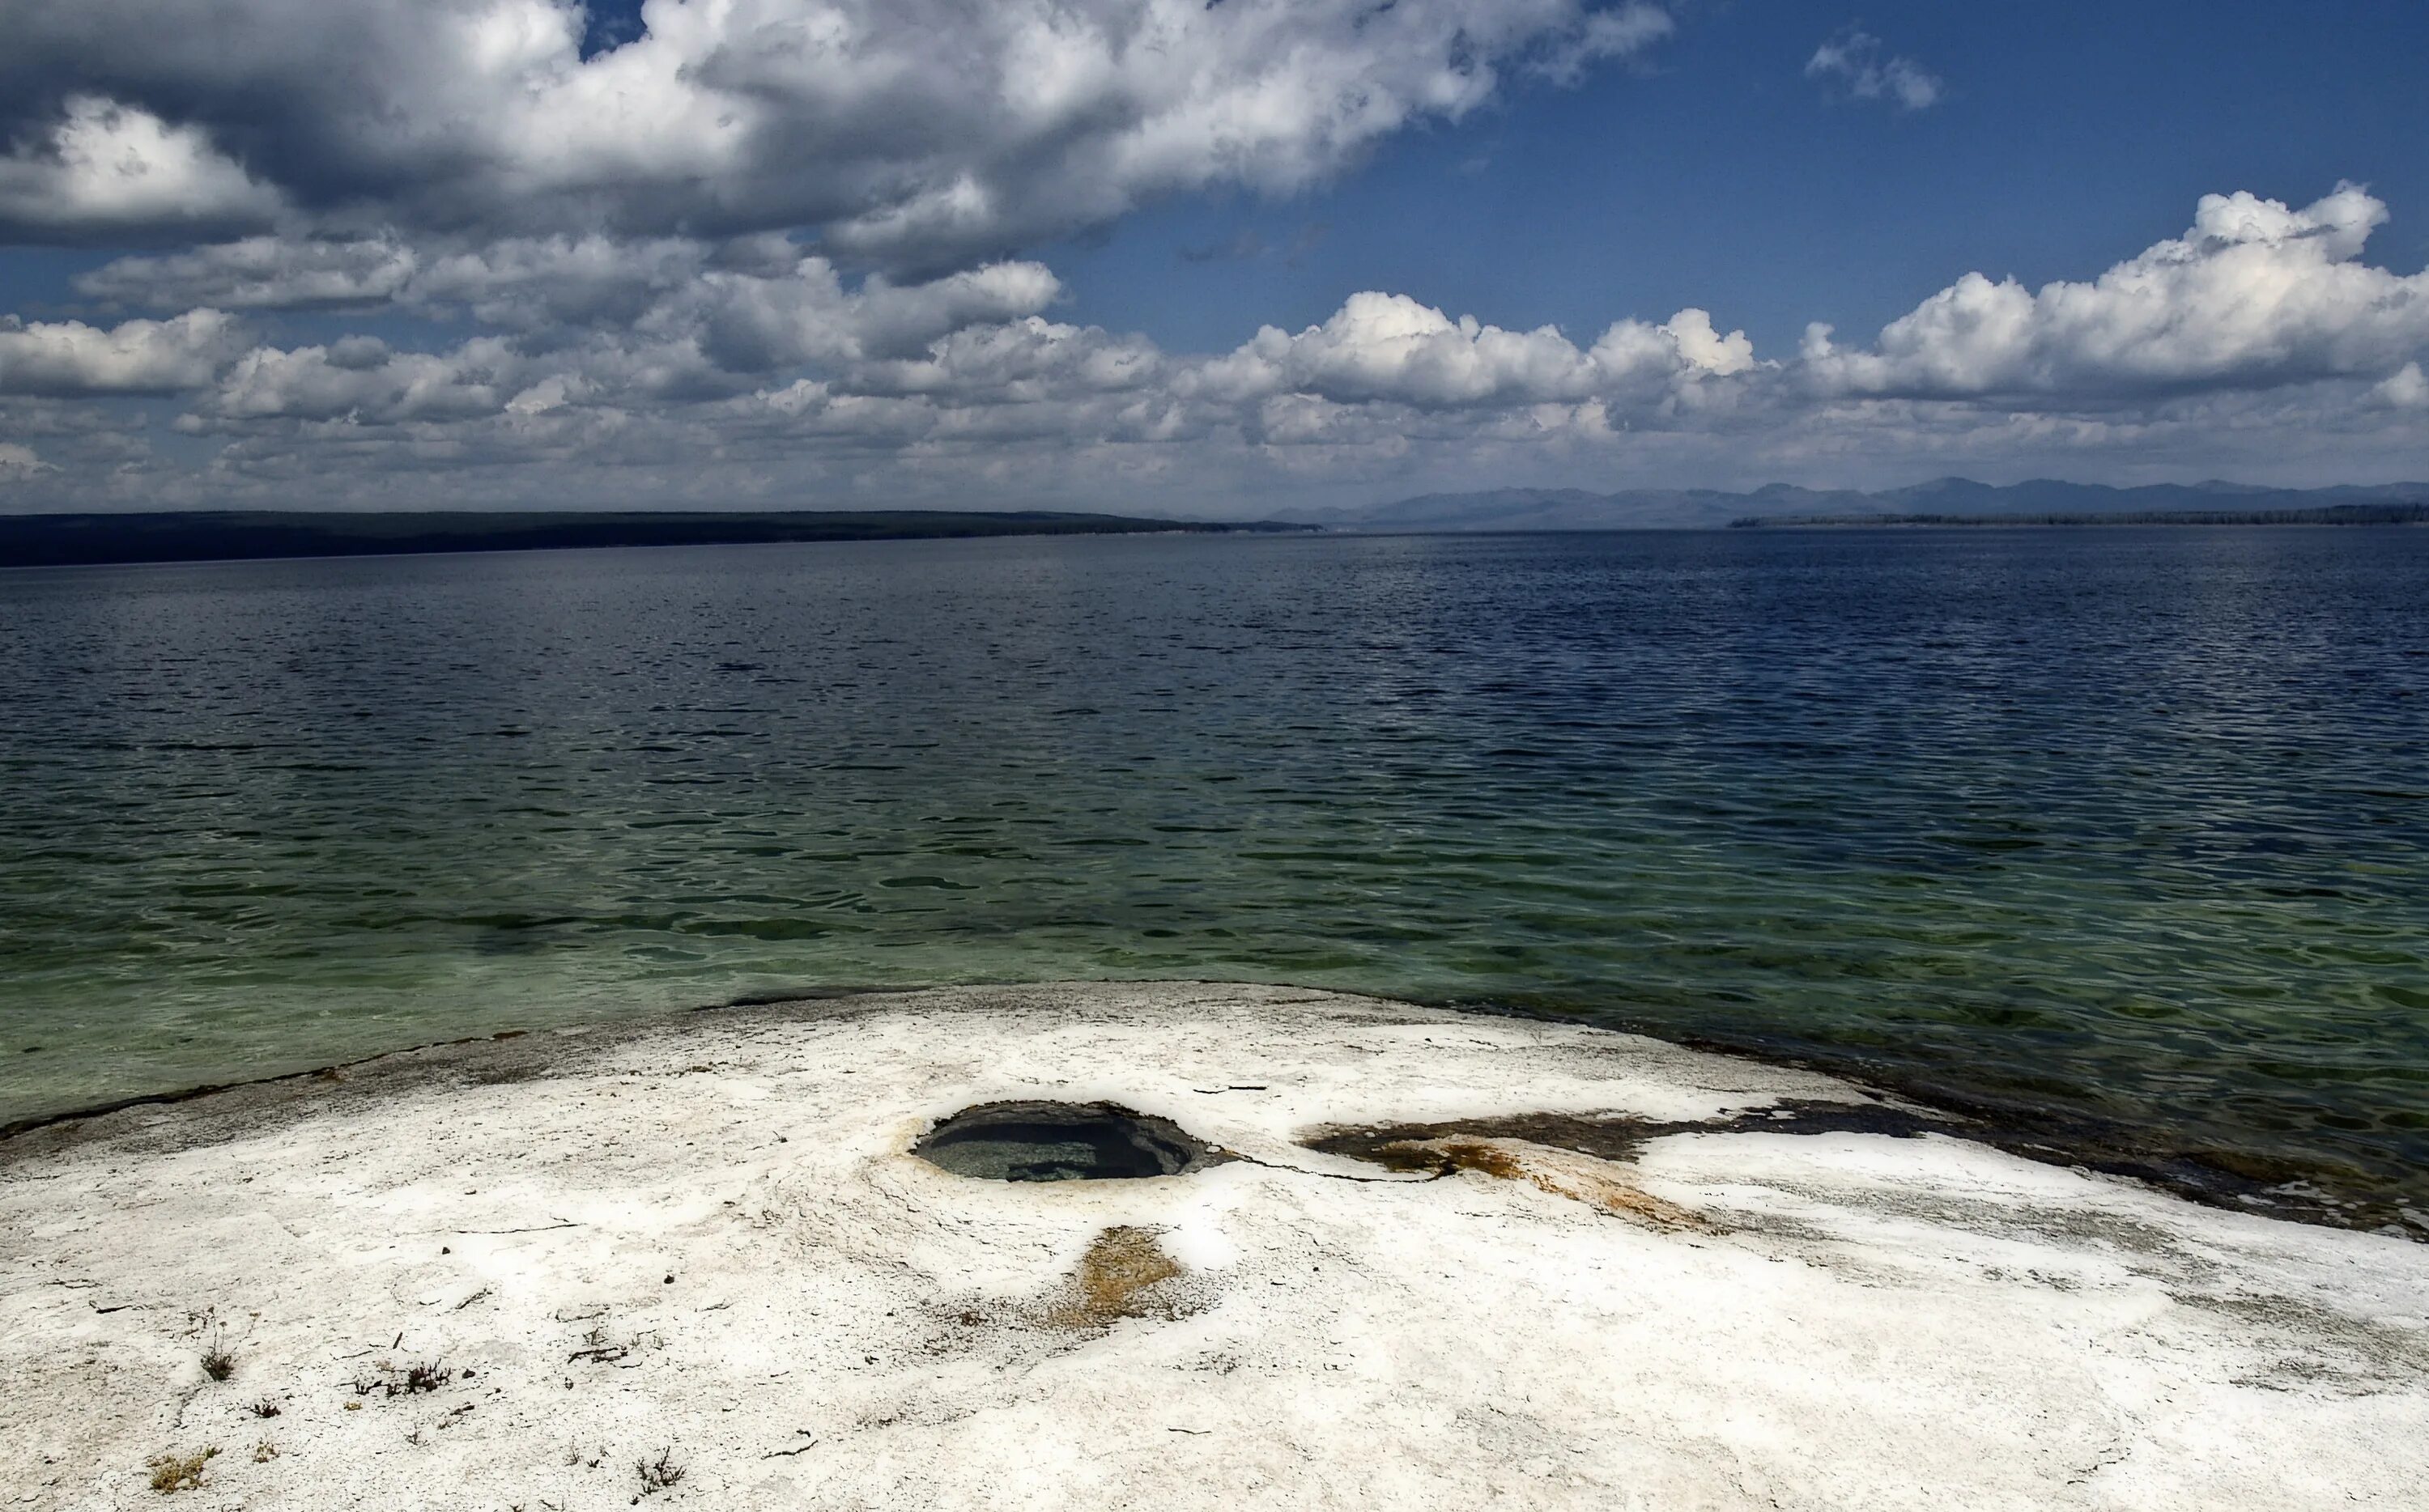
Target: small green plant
(172, 1474)
(219, 1361)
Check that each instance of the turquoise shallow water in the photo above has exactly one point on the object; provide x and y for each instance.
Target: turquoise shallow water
(2124, 829)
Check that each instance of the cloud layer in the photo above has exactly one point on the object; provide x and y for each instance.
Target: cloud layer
(913, 135)
(676, 368)
(473, 251)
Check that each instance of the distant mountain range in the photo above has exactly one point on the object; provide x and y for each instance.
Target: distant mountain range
(1576, 509)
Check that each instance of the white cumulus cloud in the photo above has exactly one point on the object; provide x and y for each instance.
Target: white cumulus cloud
(2254, 295)
(19, 463)
(118, 170)
(258, 272)
(2404, 388)
(1380, 346)
(369, 383)
(133, 357)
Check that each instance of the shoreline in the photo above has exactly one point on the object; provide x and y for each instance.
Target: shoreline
(2230, 1180)
(1432, 1258)
(189, 537)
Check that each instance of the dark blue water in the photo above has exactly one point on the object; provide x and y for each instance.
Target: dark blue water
(2126, 828)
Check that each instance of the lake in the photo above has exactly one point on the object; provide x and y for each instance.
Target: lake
(2123, 833)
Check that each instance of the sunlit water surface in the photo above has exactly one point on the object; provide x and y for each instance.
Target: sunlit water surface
(2128, 826)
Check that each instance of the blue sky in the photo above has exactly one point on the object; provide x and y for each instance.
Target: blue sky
(1017, 252)
(2071, 134)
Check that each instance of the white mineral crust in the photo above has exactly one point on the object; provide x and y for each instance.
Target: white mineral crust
(704, 1244)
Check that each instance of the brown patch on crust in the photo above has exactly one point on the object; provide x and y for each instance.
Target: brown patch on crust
(1119, 1277)
(1604, 1137)
(1589, 1179)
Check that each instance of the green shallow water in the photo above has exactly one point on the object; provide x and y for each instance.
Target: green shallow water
(2125, 831)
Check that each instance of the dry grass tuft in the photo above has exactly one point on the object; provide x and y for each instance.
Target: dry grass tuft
(415, 1379)
(172, 1474)
(660, 1474)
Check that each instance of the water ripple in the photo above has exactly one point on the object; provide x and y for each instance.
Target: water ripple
(2127, 824)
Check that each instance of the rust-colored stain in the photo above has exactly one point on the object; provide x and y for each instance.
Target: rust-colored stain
(1585, 1178)
(1588, 1157)
(1584, 1157)
(1409, 1148)
(1117, 1278)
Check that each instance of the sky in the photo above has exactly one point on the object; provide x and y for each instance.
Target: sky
(1198, 257)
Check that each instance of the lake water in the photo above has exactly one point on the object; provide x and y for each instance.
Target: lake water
(2124, 831)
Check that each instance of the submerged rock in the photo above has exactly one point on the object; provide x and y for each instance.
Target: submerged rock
(1359, 1254)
